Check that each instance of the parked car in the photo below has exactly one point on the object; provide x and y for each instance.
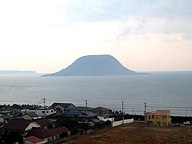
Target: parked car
(187, 123)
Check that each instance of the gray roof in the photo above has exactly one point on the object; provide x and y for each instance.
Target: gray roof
(32, 114)
(64, 105)
(89, 114)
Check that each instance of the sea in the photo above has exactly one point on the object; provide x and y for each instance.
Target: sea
(159, 90)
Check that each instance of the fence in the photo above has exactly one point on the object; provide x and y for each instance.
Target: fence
(116, 123)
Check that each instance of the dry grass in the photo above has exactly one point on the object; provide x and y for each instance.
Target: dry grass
(136, 133)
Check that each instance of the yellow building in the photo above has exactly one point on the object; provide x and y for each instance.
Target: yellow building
(159, 118)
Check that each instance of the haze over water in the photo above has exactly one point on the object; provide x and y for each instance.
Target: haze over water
(160, 90)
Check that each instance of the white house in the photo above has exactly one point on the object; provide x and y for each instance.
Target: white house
(43, 112)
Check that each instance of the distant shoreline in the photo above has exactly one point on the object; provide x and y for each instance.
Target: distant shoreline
(13, 72)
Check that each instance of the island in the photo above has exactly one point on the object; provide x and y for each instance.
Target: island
(95, 65)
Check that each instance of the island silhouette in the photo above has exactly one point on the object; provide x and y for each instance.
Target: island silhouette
(95, 65)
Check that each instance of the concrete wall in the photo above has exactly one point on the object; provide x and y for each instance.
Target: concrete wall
(116, 123)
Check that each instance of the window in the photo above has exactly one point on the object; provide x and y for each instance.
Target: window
(43, 111)
(156, 117)
(163, 117)
(149, 117)
(152, 116)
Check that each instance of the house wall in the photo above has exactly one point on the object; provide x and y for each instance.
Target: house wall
(159, 120)
(105, 114)
(27, 110)
(44, 112)
(1, 119)
(53, 138)
(31, 125)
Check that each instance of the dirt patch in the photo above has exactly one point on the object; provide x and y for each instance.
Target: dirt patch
(136, 133)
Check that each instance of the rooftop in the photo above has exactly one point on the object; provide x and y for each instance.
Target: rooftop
(64, 105)
(162, 112)
(74, 113)
(34, 139)
(80, 108)
(100, 109)
(17, 124)
(44, 122)
(44, 133)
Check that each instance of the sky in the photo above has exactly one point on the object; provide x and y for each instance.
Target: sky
(144, 35)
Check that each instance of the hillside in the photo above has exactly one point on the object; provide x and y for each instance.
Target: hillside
(95, 65)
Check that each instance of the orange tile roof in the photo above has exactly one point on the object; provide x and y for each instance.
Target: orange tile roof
(162, 112)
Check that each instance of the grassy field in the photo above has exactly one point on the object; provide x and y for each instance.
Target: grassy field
(136, 133)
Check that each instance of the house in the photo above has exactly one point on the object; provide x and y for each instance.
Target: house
(62, 107)
(84, 117)
(19, 125)
(51, 134)
(34, 140)
(159, 118)
(30, 116)
(45, 123)
(43, 112)
(101, 111)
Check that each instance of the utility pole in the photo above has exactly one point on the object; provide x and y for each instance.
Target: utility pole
(113, 116)
(86, 105)
(122, 112)
(43, 102)
(145, 115)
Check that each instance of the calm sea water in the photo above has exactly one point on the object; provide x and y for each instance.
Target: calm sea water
(160, 90)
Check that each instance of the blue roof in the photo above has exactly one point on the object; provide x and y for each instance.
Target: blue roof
(74, 113)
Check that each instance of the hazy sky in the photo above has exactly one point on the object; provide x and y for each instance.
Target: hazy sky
(144, 35)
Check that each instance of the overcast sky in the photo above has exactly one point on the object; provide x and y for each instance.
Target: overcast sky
(144, 35)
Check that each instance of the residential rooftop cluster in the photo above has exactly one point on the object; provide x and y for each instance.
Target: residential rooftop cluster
(36, 124)
(33, 124)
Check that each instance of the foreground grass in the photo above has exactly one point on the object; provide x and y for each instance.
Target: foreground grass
(136, 133)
